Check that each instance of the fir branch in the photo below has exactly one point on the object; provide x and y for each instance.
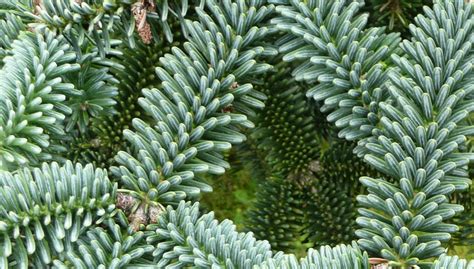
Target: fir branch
(16, 8)
(31, 95)
(413, 130)
(84, 21)
(130, 71)
(44, 211)
(349, 64)
(285, 133)
(107, 22)
(97, 95)
(420, 139)
(47, 90)
(330, 196)
(191, 127)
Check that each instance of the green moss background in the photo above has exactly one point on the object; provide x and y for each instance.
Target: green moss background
(234, 192)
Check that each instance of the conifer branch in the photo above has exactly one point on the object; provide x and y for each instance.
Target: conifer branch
(191, 124)
(43, 212)
(420, 141)
(348, 62)
(31, 94)
(339, 257)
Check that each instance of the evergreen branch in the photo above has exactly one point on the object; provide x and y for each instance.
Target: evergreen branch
(420, 140)
(44, 211)
(184, 238)
(98, 91)
(137, 67)
(31, 95)
(178, 8)
(191, 124)
(285, 132)
(43, 87)
(86, 21)
(134, 69)
(413, 130)
(349, 64)
(16, 8)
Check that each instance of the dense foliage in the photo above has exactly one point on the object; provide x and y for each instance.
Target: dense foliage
(336, 133)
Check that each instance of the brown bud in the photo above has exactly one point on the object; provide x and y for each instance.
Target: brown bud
(154, 212)
(138, 218)
(140, 10)
(145, 33)
(125, 201)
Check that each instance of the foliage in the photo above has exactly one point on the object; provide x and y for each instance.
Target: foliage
(192, 129)
(463, 240)
(44, 211)
(135, 70)
(349, 63)
(452, 262)
(198, 237)
(97, 20)
(424, 142)
(285, 132)
(71, 88)
(401, 222)
(32, 106)
(341, 256)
